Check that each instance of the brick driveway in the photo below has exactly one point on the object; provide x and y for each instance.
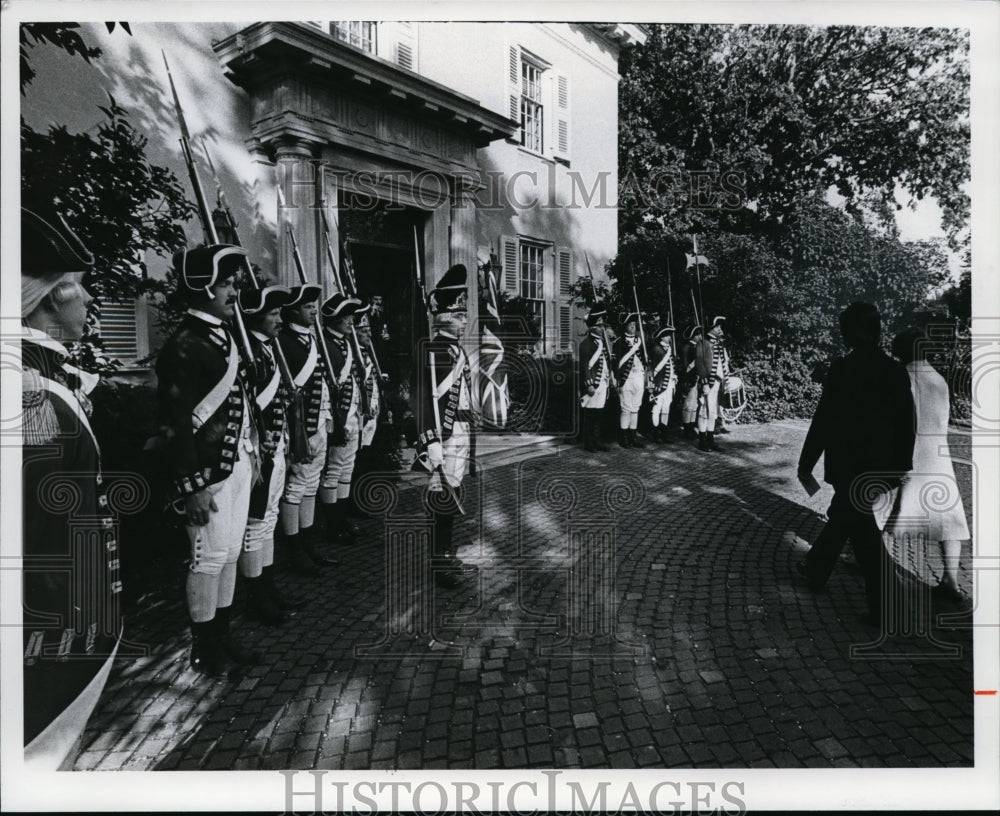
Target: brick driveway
(632, 609)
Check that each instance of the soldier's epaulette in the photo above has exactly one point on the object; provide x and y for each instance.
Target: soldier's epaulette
(39, 423)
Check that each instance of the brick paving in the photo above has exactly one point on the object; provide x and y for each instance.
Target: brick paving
(634, 609)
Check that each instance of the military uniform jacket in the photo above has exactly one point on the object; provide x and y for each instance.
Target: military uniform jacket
(71, 570)
(688, 372)
(595, 362)
(708, 354)
(442, 377)
(271, 394)
(627, 351)
(349, 374)
(203, 392)
(307, 368)
(663, 368)
(373, 391)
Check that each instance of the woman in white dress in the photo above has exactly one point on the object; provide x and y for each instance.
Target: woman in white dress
(930, 504)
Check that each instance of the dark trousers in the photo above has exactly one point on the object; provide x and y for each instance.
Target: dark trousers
(590, 419)
(846, 521)
(443, 513)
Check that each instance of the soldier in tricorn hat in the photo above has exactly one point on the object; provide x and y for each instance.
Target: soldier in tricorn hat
(298, 343)
(261, 310)
(595, 378)
(664, 381)
(632, 365)
(65, 666)
(207, 418)
(445, 417)
(338, 313)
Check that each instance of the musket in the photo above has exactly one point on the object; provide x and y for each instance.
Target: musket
(700, 313)
(638, 315)
(351, 280)
(299, 441)
(420, 282)
(343, 290)
(204, 212)
(612, 380)
(670, 312)
(324, 352)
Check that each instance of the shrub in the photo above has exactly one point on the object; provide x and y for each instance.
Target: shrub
(784, 388)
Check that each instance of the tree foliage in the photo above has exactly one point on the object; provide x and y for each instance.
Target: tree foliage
(746, 136)
(62, 35)
(795, 110)
(120, 204)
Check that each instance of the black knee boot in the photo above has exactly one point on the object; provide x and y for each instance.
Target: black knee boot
(260, 603)
(233, 649)
(207, 655)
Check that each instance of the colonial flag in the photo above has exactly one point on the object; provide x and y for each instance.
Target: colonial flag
(495, 395)
(695, 260)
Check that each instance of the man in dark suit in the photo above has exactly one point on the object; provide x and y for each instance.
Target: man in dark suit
(864, 426)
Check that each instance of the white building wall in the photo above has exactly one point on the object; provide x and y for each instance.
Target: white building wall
(534, 196)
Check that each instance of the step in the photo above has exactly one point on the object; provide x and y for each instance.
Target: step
(493, 451)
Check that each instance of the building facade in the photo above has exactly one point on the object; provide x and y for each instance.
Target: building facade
(401, 148)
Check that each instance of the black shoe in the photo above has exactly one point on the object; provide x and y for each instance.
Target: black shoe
(689, 431)
(870, 620)
(710, 442)
(260, 603)
(721, 429)
(307, 545)
(636, 440)
(206, 651)
(623, 439)
(814, 584)
(951, 595)
(298, 562)
(339, 529)
(234, 650)
(446, 579)
(353, 511)
(283, 603)
(702, 442)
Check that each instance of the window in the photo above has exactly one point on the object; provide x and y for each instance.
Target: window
(531, 277)
(538, 99)
(532, 111)
(359, 33)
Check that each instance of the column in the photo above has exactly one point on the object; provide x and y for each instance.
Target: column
(301, 183)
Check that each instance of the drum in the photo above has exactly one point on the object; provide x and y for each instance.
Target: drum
(733, 399)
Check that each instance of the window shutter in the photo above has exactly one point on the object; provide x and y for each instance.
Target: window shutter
(561, 137)
(406, 46)
(119, 330)
(565, 269)
(509, 260)
(514, 87)
(565, 326)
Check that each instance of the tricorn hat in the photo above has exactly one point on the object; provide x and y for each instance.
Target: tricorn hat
(691, 331)
(451, 292)
(48, 254)
(716, 321)
(596, 311)
(201, 268)
(666, 330)
(307, 293)
(339, 305)
(256, 301)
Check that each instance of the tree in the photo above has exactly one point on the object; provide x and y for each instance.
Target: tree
(778, 113)
(61, 35)
(119, 204)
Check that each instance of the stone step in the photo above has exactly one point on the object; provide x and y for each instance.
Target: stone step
(495, 450)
